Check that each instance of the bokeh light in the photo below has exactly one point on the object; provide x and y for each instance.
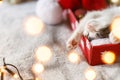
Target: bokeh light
(43, 54)
(15, 76)
(108, 57)
(37, 78)
(90, 74)
(33, 25)
(114, 1)
(74, 57)
(38, 68)
(2, 69)
(1, 2)
(115, 27)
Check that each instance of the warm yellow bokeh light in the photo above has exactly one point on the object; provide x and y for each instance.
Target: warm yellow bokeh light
(0, 2)
(43, 54)
(90, 74)
(15, 76)
(38, 68)
(74, 57)
(38, 78)
(33, 25)
(115, 27)
(108, 57)
(114, 1)
(2, 69)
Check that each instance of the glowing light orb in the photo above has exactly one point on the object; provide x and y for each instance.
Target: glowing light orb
(108, 57)
(74, 57)
(43, 54)
(15, 76)
(115, 27)
(0, 2)
(90, 74)
(37, 78)
(38, 68)
(114, 1)
(2, 69)
(33, 25)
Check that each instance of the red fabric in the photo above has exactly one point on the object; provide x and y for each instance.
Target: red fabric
(70, 4)
(94, 4)
(85, 4)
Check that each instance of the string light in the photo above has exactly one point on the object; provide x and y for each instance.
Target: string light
(38, 68)
(2, 73)
(15, 76)
(90, 74)
(74, 57)
(108, 57)
(115, 27)
(37, 78)
(33, 25)
(0, 2)
(114, 1)
(43, 54)
(2, 69)
(5, 68)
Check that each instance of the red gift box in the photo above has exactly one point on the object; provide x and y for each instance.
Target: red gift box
(92, 53)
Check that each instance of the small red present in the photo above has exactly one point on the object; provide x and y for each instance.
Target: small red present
(95, 54)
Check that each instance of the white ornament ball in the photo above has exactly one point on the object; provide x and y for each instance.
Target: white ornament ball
(49, 11)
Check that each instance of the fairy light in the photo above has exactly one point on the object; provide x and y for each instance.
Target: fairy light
(74, 57)
(15, 76)
(5, 69)
(38, 78)
(90, 74)
(38, 68)
(33, 25)
(114, 1)
(43, 54)
(1, 2)
(2, 72)
(108, 57)
(115, 27)
(2, 69)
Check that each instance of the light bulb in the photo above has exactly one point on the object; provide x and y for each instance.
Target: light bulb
(38, 68)
(74, 57)
(114, 1)
(108, 57)
(115, 27)
(15, 76)
(90, 74)
(33, 25)
(43, 54)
